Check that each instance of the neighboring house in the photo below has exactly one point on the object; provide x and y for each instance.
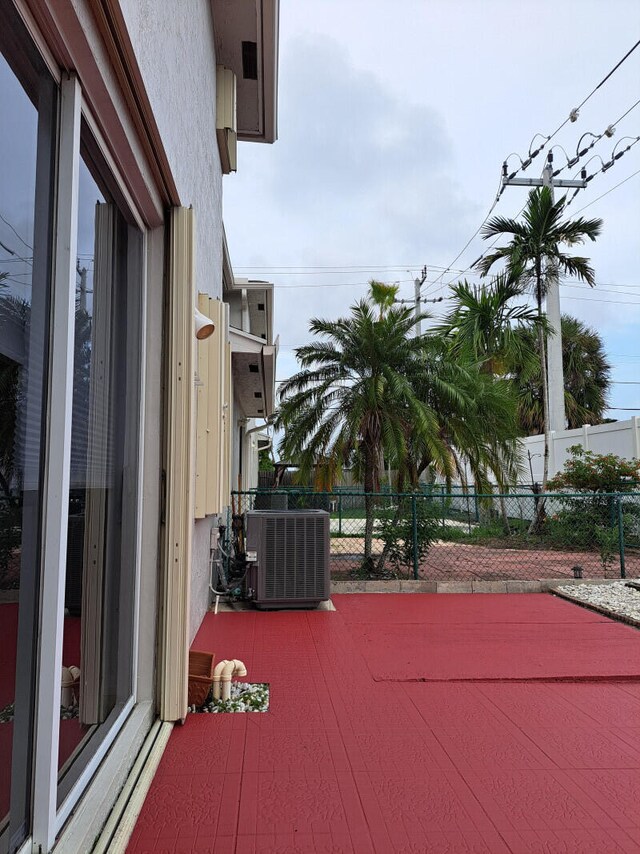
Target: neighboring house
(121, 434)
(253, 360)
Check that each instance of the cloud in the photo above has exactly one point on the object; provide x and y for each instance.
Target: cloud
(358, 176)
(355, 157)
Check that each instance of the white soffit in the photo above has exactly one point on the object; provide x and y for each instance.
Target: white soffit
(253, 364)
(246, 41)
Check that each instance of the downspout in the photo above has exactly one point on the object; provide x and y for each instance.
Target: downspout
(267, 423)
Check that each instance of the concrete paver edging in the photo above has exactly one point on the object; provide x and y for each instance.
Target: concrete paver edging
(396, 585)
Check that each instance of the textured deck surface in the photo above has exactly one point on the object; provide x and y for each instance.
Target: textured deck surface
(446, 724)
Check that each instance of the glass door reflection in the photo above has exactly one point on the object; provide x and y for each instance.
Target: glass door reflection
(27, 148)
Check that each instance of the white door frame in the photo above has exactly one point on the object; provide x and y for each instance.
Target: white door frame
(57, 468)
(48, 818)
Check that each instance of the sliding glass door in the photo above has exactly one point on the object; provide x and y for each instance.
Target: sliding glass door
(101, 560)
(27, 144)
(70, 395)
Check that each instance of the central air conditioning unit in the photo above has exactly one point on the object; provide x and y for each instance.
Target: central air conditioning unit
(291, 566)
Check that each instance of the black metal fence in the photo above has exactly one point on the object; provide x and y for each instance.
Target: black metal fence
(441, 536)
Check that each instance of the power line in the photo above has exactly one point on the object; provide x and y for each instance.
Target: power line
(473, 264)
(573, 114)
(302, 270)
(572, 117)
(628, 178)
(624, 115)
(609, 301)
(608, 132)
(602, 291)
(16, 255)
(16, 282)
(21, 239)
(309, 271)
(442, 298)
(333, 285)
(471, 239)
(606, 165)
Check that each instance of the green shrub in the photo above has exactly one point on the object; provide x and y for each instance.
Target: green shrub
(395, 529)
(592, 473)
(590, 519)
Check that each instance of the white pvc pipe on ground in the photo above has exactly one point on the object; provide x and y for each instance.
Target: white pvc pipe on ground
(222, 675)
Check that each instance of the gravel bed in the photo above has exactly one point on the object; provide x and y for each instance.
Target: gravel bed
(617, 599)
(67, 713)
(245, 697)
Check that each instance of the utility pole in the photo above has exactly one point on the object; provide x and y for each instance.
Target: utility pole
(417, 284)
(555, 370)
(418, 300)
(82, 272)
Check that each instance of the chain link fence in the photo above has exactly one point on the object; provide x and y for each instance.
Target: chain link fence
(457, 536)
(10, 540)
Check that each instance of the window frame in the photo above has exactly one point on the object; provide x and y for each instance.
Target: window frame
(76, 127)
(41, 89)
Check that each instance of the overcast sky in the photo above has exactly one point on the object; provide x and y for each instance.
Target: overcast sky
(394, 120)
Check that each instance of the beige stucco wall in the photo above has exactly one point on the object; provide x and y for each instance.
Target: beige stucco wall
(174, 46)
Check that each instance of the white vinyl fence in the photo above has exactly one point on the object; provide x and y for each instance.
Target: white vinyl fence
(621, 438)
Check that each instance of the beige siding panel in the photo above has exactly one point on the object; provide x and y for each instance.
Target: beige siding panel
(202, 393)
(178, 529)
(228, 439)
(215, 408)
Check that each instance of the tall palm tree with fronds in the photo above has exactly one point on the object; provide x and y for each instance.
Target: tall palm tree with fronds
(354, 397)
(534, 257)
(382, 295)
(587, 375)
(477, 417)
(484, 325)
(372, 390)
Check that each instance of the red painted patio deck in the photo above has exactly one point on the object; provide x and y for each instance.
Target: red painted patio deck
(481, 724)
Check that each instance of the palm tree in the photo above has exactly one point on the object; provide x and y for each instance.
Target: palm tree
(382, 295)
(484, 325)
(533, 257)
(371, 390)
(354, 398)
(477, 418)
(586, 379)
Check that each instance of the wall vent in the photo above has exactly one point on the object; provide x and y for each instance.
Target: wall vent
(250, 60)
